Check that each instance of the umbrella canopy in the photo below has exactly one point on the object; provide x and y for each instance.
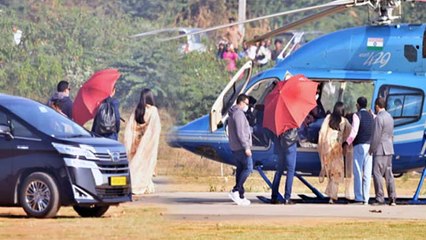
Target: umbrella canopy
(92, 93)
(288, 104)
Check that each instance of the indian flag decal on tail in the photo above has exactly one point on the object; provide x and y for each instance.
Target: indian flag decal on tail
(375, 44)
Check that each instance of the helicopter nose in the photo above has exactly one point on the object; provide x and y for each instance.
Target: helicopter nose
(173, 138)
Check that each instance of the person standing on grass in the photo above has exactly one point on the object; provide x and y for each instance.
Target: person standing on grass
(231, 57)
(240, 141)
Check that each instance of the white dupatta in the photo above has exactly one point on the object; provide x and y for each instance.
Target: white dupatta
(141, 141)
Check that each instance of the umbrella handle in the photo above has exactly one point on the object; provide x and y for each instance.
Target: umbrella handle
(122, 119)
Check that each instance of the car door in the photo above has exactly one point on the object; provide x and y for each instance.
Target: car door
(229, 95)
(12, 151)
(6, 155)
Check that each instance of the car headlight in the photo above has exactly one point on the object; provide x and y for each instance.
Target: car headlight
(77, 163)
(74, 151)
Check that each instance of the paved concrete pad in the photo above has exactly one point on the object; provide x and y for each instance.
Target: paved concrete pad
(217, 206)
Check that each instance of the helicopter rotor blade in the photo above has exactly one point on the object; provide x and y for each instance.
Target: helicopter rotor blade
(299, 23)
(330, 4)
(144, 34)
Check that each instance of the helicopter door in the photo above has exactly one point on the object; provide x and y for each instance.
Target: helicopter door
(229, 95)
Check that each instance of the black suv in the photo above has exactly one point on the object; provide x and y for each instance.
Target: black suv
(48, 161)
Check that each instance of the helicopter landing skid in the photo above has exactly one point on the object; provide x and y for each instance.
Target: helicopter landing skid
(317, 193)
(416, 199)
(312, 188)
(268, 182)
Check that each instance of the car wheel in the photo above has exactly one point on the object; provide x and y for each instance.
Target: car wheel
(95, 211)
(39, 196)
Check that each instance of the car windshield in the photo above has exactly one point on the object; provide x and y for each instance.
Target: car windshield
(46, 120)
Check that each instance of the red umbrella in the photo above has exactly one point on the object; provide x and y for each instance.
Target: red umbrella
(92, 93)
(288, 104)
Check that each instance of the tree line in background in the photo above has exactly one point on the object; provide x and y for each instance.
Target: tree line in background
(71, 39)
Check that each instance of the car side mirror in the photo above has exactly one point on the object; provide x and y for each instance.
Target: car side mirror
(5, 130)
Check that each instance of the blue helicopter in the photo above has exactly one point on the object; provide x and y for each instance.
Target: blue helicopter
(383, 59)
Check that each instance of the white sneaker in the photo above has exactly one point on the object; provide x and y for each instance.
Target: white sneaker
(235, 196)
(244, 202)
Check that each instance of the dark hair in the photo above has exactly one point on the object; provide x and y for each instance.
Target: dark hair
(397, 102)
(241, 98)
(62, 86)
(336, 116)
(231, 19)
(380, 102)
(278, 41)
(362, 102)
(146, 98)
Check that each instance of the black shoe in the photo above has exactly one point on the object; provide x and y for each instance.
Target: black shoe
(288, 202)
(357, 203)
(377, 203)
(276, 201)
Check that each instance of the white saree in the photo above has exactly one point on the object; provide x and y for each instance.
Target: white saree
(141, 141)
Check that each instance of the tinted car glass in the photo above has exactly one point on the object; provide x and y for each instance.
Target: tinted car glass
(3, 118)
(46, 119)
(19, 130)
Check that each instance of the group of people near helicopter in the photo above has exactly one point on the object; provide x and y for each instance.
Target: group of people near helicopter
(363, 139)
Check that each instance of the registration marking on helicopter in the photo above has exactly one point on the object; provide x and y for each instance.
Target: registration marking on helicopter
(376, 58)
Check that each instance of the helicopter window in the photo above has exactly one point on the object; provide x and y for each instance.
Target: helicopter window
(346, 92)
(410, 53)
(404, 104)
(232, 94)
(261, 89)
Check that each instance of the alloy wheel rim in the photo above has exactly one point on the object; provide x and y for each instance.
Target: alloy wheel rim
(37, 196)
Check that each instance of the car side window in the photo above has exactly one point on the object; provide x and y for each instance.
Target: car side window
(19, 130)
(404, 104)
(3, 119)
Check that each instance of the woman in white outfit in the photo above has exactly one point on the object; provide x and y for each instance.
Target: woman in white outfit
(141, 138)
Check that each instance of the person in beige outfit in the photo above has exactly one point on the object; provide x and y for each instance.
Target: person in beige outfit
(334, 131)
(233, 35)
(141, 138)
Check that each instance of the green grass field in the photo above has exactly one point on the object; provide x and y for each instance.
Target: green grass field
(142, 222)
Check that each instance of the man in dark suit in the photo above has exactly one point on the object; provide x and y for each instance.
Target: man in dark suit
(382, 150)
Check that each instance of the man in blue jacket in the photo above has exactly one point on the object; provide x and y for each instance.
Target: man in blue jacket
(240, 141)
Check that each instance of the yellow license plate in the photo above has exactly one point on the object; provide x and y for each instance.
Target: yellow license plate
(118, 181)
